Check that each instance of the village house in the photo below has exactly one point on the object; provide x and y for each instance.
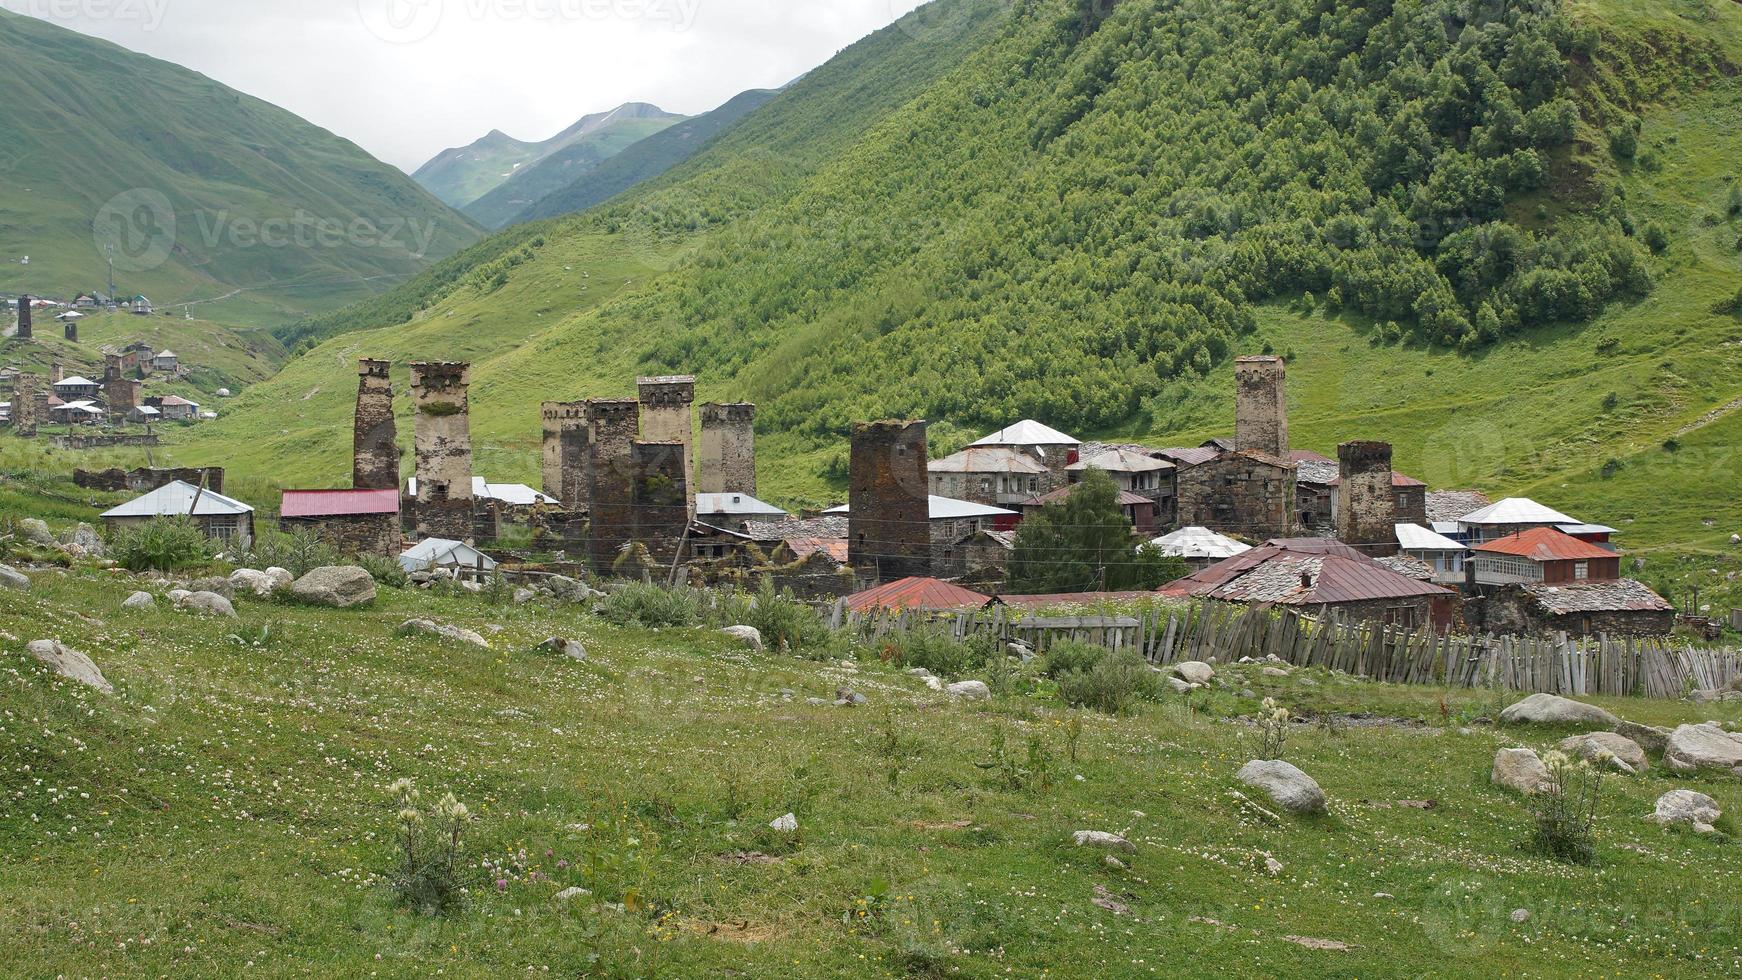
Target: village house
(1200, 547)
(174, 407)
(1542, 554)
(1315, 476)
(1139, 510)
(165, 361)
(356, 522)
(1507, 517)
(76, 387)
(1054, 449)
(1410, 495)
(1246, 492)
(220, 517)
(997, 476)
(1543, 580)
(1135, 470)
(1442, 555)
(144, 415)
(80, 412)
(953, 521)
(918, 594)
(733, 510)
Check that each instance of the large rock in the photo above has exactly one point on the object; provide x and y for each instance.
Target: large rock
(12, 578)
(1687, 808)
(214, 583)
(1705, 746)
(36, 532)
(564, 646)
(1519, 770)
(1293, 790)
(1552, 709)
(86, 539)
(750, 636)
(208, 604)
(1619, 750)
(281, 577)
(970, 690)
(253, 581)
(70, 663)
(1650, 737)
(338, 586)
(446, 631)
(1103, 840)
(139, 600)
(1194, 672)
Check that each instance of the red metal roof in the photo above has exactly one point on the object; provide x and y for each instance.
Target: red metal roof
(338, 503)
(917, 593)
(1545, 544)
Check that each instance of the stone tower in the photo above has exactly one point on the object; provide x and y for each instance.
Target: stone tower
(565, 453)
(375, 435)
(889, 515)
(56, 373)
(24, 405)
(72, 331)
(1261, 405)
(443, 438)
(24, 329)
(612, 426)
(726, 462)
(1366, 504)
(665, 411)
(660, 498)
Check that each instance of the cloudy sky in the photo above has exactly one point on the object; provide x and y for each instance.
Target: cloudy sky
(407, 78)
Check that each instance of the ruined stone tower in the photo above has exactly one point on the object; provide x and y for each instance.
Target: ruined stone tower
(56, 373)
(24, 405)
(1261, 405)
(660, 498)
(612, 426)
(889, 515)
(72, 331)
(726, 462)
(1366, 504)
(24, 329)
(665, 411)
(565, 453)
(375, 435)
(443, 438)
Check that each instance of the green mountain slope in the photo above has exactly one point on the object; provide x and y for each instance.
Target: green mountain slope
(561, 166)
(645, 160)
(461, 175)
(1083, 221)
(205, 193)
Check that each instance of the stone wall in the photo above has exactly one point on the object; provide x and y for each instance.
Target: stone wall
(443, 439)
(1238, 493)
(353, 534)
(1411, 505)
(726, 462)
(564, 464)
(661, 501)
(146, 479)
(665, 414)
(889, 518)
(375, 435)
(24, 392)
(613, 425)
(1261, 405)
(1366, 503)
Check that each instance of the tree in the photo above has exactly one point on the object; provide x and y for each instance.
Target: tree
(1084, 544)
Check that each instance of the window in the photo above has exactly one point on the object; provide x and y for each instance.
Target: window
(1033, 485)
(1581, 571)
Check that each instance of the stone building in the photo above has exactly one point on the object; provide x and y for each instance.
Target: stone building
(1056, 450)
(443, 444)
(145, 479)
(1245, 492)
(1261, 405)
(374, 437)
(665, 412)
(24, 327)
(996, 476)
(726, 462)
(1366, 508)
(660, 498)
(889, 529)
(24, 414)
(72, 331)
(613, 426)
(1619, 607)
(565, 453)
(355, 522)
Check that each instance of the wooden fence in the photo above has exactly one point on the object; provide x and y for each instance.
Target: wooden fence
(1649, 667)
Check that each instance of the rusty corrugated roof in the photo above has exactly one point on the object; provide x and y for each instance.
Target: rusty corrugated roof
(917, 593)
(1545, 544)
(1301, 571)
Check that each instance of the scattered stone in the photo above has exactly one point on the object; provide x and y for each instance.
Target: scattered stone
(1519, 770)
(1684, 807)
(36, 532)
(1649, 737)
(208, 604)
(565, 647)
(139, 600)
(12, 578)
(524, 596)
(1194, 672)
(846, 697)
(177, 595)
(1114, 863)
(336, 586)
(1104, 899)
(1293, 790)
(1619, 750)
(251, 580)
(444, 630)
(1274, 672)
(1179, 686)
(1707, 746)
(918, 672)
(86, 539)
(1325, 944)
(750, 636)
(281, 577)
(1307, 682)
(785, 824)
(1103, 840)
(1520, 916)
(1020, 651)
(70, 663)
(970, 690)
(1552, 709)
(1273, 866)
(574, 891)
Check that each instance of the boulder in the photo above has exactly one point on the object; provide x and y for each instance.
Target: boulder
(12, 578)
(251, 581)
(786, 823)
(565, 588)
(1619, 750)
(564, 646)
(86, 539)
(1552, 709)
(1194, 672)
(70, 663)
(970, 690)
(1686, 808)
(36, 532)
(1707, 746)
(1020, 651)
(446, 631)
(139, 600)
(1649, 737)
(175, 596)
(1519, 770)
(749, 636)
(1274, 672)
(1293, 790)
(846, 697)
(1103, 840)
(1179, 686)
(281, 577)
(208, 604)
(214, 583)
(524, 596)
(337, 586)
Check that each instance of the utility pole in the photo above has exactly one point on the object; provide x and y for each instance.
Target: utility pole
(111, 251)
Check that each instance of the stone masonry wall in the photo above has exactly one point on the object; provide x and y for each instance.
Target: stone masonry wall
(375, 435)
(889, 519)
(610, 474)
(443, 440)
(661, 498)
(564, 448)
(24, 420)
(726, 462)
(1261, 405)
(1366, 504)
(1238, 494)
(665, 413)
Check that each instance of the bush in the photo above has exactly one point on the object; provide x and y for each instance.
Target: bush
(1566, 810)
(1069, 657)
(934, 649)
(784, 622)
(163, 544)
(385, 571)
(1114, 685)
(642, 604)
(431, 851)
(298, 552)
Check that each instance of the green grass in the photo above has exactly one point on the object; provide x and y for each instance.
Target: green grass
(228, 807)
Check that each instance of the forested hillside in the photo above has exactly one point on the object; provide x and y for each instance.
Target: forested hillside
(623, 128)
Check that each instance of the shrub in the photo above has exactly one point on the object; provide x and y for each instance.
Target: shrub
(1566, 810)
(298, 552)
(1272, 731)
(1114, 685)
(642, 604)
(934, 649)
(431, 851)
(784, 622)
(385, 571)
(163, 544)
(1070, 656)
(1656, 238)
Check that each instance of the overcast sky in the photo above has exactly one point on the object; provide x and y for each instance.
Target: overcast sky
(406, 79)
